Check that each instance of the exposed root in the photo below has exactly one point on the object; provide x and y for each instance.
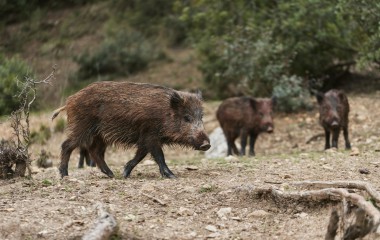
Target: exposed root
(366, 214)
(104, 227)
(341, 184)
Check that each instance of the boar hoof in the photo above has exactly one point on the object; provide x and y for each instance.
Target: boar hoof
(166, 173)
(63, 172)
(172, 176)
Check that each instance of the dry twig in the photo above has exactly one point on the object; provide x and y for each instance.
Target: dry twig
(154, 199)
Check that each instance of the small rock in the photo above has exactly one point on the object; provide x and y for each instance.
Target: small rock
(213, 235)
(211, 228)
(182, 211)
(130, 217)
(327, 167)
(364, 171)
(236, 219)
(231, 158)
(354, 151)
(42, 233)
(331, 150)
(73, 198)
(258, 213)
(223, 212)
(302, 215)
(192, 234)
(225, 192)
(191, 168)
(287, 176)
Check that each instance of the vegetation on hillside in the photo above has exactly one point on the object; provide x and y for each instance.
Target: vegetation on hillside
(259, 47)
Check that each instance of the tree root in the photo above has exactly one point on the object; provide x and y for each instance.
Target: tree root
(104, 227)
(366, 214)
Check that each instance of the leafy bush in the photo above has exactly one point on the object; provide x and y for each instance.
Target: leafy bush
(291, 94)
(124, 54)
(40, 136)
(11, 70)
(263, 47)
(60, 125)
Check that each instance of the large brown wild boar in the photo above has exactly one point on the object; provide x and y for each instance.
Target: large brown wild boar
(132, 114)
(245, 116)
(333, 116)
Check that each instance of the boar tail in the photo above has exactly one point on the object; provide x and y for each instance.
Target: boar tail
(57, 111)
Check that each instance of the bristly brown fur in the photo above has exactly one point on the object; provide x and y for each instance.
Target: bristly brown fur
(333, 116)
(245, 117)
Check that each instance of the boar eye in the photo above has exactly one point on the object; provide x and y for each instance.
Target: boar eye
(187, 118)
(261, 115)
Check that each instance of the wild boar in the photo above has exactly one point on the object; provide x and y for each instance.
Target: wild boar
(245, 116)
(132, 114)
(333, 116)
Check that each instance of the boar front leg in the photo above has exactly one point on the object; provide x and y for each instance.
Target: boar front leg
(335, 137)
(243, 138)
(158, 156)
(327, 138)
(140, 154)
(345, 134)
(231, 147)
(253, 138)
(97, 151)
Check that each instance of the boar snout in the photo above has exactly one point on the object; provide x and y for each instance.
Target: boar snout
(269, 129)
(205, 146)
(335, 124)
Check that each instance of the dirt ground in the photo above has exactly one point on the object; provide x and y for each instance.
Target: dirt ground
(205, 200)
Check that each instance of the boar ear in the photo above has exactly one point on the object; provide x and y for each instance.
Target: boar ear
(253, 103)
(341, 95)
(199, 94)
(175, 100)
(319, 95)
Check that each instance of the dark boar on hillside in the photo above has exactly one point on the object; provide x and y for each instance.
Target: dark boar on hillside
(245, 116)
(333, 116)
(130, 114)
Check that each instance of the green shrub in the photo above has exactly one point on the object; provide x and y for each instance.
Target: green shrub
(40, 136)
(291, 94)
(124, 54)
(60, 125)
(10, 71)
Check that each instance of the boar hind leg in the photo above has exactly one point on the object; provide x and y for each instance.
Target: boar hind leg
(345, 134)
(253, 138)
(327, 138)
(84, 155)
(66, 149)
(140, 154)
(335, 137)
(97, 151)
(243, 138)
(158, 156)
